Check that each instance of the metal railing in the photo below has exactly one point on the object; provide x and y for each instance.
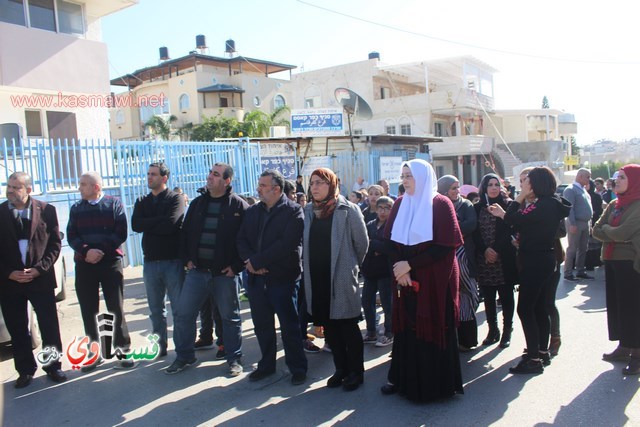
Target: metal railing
(56, 165)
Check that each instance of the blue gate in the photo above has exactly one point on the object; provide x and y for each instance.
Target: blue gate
(350, 165)
(189, 163)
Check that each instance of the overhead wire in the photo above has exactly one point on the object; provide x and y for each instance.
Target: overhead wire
(470, 45)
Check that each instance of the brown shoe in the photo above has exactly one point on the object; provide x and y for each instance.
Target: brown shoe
(554, 346)
(620, 354)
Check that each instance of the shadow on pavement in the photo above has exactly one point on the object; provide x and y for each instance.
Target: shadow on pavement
(603, 402)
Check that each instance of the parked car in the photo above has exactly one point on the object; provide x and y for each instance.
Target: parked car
(60, 268)
(61, 274)
(560, 189)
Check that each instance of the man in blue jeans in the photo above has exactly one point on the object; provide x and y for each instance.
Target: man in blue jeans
(270, 243)
(208, 249)
(158, 215)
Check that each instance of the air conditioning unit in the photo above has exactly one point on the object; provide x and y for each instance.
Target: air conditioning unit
(278, 132)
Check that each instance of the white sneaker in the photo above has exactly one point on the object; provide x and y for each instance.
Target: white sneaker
(384, 341)
(369, 339)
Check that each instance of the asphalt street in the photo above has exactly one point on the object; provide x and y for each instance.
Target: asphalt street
(577, 389)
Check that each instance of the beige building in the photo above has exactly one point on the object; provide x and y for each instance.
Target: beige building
(195, 86)
(443, 98)
(535, 136)
(451, 98)
(54, 80)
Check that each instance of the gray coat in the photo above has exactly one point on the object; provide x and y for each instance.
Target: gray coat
(349, 244)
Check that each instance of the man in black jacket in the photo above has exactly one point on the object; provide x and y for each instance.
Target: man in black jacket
(270, 243)
(159, 215)
(208, 249)
(29, 247)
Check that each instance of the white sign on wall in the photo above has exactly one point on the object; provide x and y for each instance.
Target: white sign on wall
(390, 168)
(317, 122)
(313, 163)
(280, 157)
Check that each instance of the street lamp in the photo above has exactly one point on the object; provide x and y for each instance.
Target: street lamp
(606, 162)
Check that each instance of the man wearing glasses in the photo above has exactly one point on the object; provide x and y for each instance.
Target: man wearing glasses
(377, 277)
(208, 250)
(29, 247)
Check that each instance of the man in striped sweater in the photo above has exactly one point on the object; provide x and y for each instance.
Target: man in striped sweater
(96, 230)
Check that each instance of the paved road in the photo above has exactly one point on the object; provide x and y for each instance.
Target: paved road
(577, 389)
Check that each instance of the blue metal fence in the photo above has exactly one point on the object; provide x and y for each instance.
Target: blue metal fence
(189, 163)
(56, 166)
(350, 165)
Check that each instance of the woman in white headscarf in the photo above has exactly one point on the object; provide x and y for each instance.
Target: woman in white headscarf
(424, 234)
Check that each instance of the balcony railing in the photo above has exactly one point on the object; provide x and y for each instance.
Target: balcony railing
(459, 98)
(461, 145)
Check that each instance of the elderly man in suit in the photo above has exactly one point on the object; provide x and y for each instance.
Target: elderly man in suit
(29, 247)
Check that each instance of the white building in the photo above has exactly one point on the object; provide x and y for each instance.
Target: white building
(54, 80)
(450, 98)
(441, 98)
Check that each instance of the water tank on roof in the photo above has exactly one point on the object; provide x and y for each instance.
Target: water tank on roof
(374, 55)
(230, 46)
(201, 42)
(164, 53)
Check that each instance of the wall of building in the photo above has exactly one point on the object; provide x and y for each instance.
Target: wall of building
(51, 61)
(91, 122)
(514, 128)
(356, 76)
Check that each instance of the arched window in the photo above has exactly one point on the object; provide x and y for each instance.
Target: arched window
(405, 126)
(278, 102)
(183, 102)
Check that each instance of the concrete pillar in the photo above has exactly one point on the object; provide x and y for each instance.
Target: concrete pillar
(474, 169)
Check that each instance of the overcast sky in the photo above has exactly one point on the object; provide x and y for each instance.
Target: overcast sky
(586, 60)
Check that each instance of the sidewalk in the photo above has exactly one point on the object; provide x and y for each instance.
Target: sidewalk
(578, 388)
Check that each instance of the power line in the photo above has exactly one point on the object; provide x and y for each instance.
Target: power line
(459, 43)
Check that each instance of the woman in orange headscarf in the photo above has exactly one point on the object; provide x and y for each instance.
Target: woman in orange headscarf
(335, 243)
(619, 230)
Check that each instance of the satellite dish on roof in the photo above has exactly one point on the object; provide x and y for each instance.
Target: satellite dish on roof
(354, 105)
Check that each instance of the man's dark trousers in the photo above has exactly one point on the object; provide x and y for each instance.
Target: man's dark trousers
(267, 300)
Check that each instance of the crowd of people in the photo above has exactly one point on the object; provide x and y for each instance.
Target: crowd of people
(431, 254)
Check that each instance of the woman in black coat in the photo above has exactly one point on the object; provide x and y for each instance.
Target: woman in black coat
(496, 270)
(537, 225)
